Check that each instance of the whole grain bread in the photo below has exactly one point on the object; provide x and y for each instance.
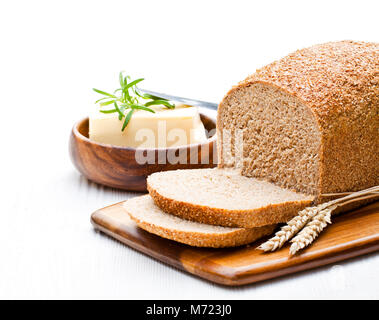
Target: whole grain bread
(150, 218)
(309, 121)
(224, 197)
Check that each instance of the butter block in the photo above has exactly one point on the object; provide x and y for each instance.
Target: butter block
(164, 128)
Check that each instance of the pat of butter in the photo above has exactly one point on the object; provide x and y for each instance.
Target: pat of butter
(164, 128)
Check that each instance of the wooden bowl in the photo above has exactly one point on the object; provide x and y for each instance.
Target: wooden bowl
(117, 167)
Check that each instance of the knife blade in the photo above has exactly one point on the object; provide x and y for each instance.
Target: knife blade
(191, 102)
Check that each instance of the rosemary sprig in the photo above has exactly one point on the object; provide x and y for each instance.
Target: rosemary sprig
(127, 99)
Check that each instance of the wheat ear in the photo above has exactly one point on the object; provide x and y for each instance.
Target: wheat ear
(320, 215)
(293, 226)
(306, 236)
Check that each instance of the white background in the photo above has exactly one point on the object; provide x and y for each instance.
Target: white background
(53, 52)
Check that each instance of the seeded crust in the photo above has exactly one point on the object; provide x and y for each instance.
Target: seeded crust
(339, 83)
(197, 235)
(218, 212)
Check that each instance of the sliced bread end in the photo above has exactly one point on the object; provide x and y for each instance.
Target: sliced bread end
(152, 219)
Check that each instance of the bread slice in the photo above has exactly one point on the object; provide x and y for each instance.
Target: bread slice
(223, 197)
(152, 219)
(308, 121)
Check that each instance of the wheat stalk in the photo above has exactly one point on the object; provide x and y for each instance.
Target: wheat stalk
(312, 220)
(293, 226)
(318, 223)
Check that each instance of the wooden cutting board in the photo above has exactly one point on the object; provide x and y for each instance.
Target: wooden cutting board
(351, 234)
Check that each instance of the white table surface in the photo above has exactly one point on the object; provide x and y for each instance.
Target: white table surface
(53, 53)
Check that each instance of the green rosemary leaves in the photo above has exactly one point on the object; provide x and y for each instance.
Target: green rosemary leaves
(126, 99)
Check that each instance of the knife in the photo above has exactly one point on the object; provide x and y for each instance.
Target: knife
(191, 102)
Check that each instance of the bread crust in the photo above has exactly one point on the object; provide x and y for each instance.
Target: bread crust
(233, 239)
(273, 214)
(339, 83)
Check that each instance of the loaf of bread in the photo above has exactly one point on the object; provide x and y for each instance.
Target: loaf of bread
(302, 127)
(150, 218)
(223, 197)
(308, 122)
